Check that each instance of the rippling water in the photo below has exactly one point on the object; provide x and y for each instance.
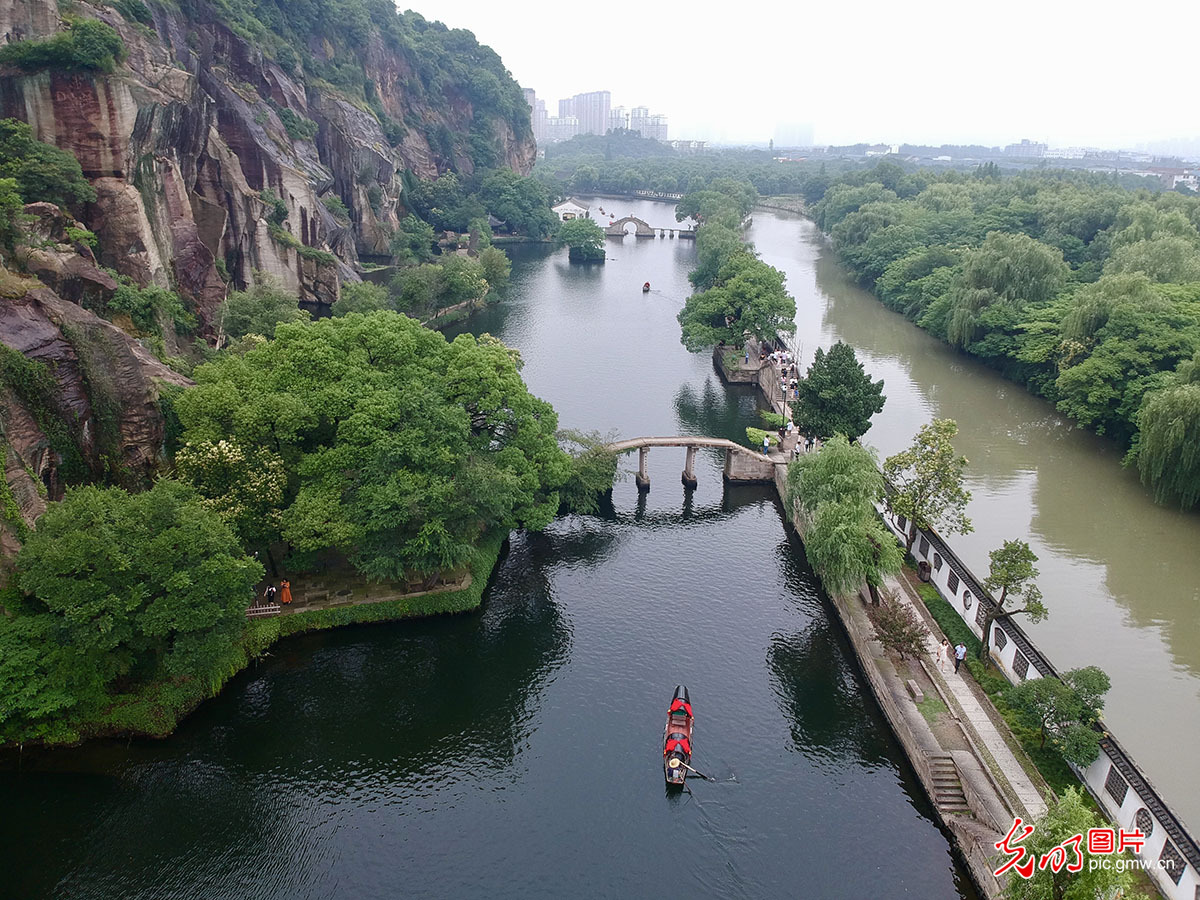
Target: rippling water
(515, 752)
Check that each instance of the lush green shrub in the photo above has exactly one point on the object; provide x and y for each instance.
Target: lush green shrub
(298, 127)
(151, 307)
(86, 46)
(134, 11)
(42, 172)
(259, 310)
(277, 211)
(337, 208)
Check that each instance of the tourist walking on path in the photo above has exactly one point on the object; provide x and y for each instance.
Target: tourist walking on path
(960, 653)
(285, 592)
(766, 445)
(943, 656)
(270, 592)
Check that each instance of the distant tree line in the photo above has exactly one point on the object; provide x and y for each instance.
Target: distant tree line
(1084, 291)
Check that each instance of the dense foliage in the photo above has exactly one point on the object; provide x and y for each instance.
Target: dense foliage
(836, 396)
(1082, 290)
(1011, 576)
(445, 65)
(845, 541)
(86, 46)
(400, 449)
(113, 590)
(42, 172)
(584, 238)
(1064, 710)
(259, 309)
(625, 161)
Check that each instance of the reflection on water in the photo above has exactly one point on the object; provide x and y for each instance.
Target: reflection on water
(1121, 575)
(516, 751)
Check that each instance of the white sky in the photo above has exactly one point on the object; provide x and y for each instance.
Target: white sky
(1098, 73)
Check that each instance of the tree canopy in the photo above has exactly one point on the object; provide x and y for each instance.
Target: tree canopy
(400, 449)
(928, 482)
(1064, 710)
(748, 298)
(1012, 573)
(584, 238)
(836, 396)
(42, 171)
(111, 586)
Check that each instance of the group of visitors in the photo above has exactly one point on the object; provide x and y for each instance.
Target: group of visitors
(945, 653)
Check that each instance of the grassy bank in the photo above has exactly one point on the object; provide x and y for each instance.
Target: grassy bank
(157, 708)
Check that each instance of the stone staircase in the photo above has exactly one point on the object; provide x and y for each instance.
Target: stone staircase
(947, 787)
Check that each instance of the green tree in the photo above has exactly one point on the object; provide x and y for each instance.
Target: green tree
(748, 299)
(1168, 443)
(87, 45)
(10, 213)
(847, 544)
(245, 486)
(584, 238)
(401, 449)
(928, 482)
(112, 586)
(520, 201)
(413, 241)
(496, 267)
(593, 470)
(260, 309)
(1068, 817)
(42, 172)
(1064, 710)
(1011, 572)
(899, 629)
(841, 472)
(360, 297)
(836, 396)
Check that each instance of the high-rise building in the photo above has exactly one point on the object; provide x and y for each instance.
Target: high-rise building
(591, 109)
(647, 125)
(561, 128)
(618, 118)
(537, 115)
(566, 107)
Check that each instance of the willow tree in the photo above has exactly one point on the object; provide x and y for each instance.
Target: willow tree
(1168, 442)
(841, 472)
(848, 544)
(928, 482)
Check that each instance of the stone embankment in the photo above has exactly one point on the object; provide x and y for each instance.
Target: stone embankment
(964, 758)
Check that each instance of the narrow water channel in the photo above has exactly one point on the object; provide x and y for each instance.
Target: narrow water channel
(515, 752)
(1121, 575)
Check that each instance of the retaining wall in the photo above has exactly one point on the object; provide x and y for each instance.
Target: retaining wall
(1114, 779)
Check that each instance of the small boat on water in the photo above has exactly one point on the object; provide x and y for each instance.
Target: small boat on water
(646, 288)
(677, 739)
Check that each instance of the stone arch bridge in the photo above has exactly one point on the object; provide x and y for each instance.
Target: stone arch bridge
(741, 463)
(645, 229)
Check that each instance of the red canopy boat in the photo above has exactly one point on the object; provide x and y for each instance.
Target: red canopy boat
(646, 288)
(677, 738)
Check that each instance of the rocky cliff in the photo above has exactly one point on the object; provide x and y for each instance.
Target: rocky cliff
(189, 143)
(183, 138)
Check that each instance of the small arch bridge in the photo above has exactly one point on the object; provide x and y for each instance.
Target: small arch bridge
(646, 230)
(741, 463)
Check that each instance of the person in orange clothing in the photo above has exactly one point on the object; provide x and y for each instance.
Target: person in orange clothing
(285, 592)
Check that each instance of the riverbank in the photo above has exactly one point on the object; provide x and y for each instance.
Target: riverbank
(155, 710)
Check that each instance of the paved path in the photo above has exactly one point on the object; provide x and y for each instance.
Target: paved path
(972, 713)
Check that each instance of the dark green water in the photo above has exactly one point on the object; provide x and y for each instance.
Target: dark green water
(515, 752)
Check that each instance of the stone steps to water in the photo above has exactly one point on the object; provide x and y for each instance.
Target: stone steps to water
(948, 791)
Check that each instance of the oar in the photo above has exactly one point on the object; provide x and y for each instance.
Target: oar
(676, 763)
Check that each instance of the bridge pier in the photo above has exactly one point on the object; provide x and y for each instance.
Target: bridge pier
(689, 469)
(643, 476)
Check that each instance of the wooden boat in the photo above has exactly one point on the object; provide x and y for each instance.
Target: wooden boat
(646, 288)
(677, 739)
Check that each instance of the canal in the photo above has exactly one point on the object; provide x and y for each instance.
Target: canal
(1121, 575)
(516, 751)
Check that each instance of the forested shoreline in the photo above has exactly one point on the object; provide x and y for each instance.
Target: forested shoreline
(1086, 293)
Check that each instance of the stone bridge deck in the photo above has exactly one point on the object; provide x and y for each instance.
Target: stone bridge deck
(741, 463)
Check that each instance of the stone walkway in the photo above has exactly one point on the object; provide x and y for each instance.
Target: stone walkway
(972, 713)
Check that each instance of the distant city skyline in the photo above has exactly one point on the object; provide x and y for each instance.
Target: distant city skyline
(591, 112)
(932, 73)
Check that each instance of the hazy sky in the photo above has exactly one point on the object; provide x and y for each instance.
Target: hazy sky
(937, 71)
